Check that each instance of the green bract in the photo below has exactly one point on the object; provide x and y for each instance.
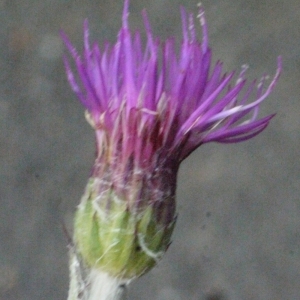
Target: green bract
(116, 240)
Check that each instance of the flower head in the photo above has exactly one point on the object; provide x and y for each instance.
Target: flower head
(150, 108)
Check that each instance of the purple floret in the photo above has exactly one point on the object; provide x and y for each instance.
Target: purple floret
(153, 100)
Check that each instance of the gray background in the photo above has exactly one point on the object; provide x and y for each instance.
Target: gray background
(238, 233)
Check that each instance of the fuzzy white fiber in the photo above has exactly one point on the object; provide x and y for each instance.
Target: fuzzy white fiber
(105, 287)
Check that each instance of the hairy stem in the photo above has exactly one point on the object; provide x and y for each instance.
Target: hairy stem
(93, 284)
(104, 287)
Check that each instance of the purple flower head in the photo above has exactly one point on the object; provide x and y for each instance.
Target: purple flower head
(154, 100)
(150, 108)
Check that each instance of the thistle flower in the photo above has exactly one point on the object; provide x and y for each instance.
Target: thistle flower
(150, 108)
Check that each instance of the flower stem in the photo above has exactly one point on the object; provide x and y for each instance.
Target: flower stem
(93, 284)
(105, 287)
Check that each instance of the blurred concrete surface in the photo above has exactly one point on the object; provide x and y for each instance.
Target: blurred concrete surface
(238, 233)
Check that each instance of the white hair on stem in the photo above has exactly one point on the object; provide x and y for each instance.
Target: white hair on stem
(105, 287)
(97, 285)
